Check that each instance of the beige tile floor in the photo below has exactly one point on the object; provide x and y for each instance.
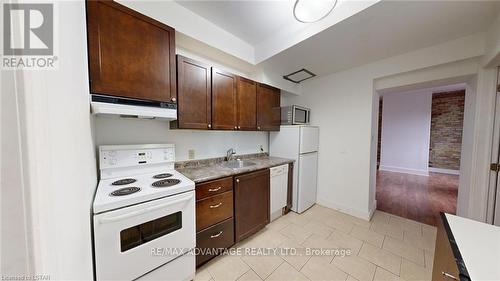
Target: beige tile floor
(386, 248)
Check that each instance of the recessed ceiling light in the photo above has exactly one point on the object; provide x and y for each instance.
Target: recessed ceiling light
(299, 76)
(308, 11)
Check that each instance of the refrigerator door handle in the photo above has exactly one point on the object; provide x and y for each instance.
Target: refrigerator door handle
(310, 152)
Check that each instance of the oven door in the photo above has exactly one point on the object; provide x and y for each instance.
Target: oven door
(132, 241)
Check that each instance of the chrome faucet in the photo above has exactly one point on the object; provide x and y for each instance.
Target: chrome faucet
(230, 153)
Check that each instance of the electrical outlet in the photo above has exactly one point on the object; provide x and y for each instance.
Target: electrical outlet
(191, 154)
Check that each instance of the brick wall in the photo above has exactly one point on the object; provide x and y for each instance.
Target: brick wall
(446, 129)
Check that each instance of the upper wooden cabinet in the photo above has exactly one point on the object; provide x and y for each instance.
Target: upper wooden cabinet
(194, 97)
(246, 104)
(208, 98)
(130, 55)
(223, 100)
(268, 108)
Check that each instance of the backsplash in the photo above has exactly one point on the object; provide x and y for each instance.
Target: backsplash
(206, 144)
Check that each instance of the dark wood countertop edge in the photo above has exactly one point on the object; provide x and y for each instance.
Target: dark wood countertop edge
(464, 274)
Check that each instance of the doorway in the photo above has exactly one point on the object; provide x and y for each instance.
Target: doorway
(419, 151)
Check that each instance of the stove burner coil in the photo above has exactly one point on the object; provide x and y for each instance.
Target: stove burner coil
(165, 183)
(162, 176)
(124, 181)
(125, 191)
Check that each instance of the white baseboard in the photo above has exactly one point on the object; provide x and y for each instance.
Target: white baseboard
(404, 170)
(366, 215)
(444, 171)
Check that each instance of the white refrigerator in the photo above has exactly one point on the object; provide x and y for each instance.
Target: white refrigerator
(300, 143)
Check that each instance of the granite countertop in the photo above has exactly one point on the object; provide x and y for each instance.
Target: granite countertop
(205, 170)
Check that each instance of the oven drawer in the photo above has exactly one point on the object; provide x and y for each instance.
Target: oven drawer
(220, 235)
(214, 209)
(180, 269)
(211, 188)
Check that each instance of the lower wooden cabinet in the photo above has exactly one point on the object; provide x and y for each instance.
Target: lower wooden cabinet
(251, 203)
(445, 266)
(213, 210)
(214, 217)
(218, 236)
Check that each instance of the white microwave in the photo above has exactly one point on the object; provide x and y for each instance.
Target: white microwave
(295, 115)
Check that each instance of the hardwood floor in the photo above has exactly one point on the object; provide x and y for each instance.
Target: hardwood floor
(415, 197)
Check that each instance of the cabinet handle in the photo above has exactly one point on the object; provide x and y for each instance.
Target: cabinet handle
(210, 125)
(216, 235)
(239, 127)
(237, 180)
(258, 128)
(235, 127)
(215, 206)
(447, 275)
(215, 189)
(173, 99)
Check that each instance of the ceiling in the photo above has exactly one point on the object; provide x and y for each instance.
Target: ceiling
(385, 29)
(351, 37)
(251, 21)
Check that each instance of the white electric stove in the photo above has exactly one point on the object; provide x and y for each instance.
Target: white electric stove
(144, 215)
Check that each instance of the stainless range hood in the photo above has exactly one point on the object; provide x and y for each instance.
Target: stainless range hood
(132, 108)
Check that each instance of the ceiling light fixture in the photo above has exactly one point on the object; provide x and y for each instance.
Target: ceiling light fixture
(308, 11)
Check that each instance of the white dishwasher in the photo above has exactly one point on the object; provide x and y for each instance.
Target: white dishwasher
(279, 187)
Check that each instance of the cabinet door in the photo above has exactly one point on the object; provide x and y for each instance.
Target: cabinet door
(223, 100)
(251, 203)
(194, 94)
(246, 104)
(268, 108)
(130, 55)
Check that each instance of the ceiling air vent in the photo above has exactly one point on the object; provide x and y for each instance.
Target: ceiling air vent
(299, 76)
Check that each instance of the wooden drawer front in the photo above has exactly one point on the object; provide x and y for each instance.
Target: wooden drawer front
(220, 235)
(444, 259)
(207, 189)
(214, 209)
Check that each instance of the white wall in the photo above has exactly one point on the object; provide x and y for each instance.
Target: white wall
(343, 106)
(406, 126)
(492, 52)
(15, 230)
(207, 144)
(59, 153)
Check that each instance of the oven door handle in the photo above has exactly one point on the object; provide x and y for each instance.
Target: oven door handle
(143, 211)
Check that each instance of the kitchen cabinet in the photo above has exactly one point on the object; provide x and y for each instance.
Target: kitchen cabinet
(251, 203)
(268, 108)
(444, 259)
(223, 100)
(209, 98)
(218, 236)
(130, 55)
(214, 217)
(194, 94)
(246, 103)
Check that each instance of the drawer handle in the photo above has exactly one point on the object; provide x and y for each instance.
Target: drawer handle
(215, 206)
(216, 235)
(447, 275)
(215, 189)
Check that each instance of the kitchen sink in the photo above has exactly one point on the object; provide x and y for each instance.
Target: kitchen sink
(236, 164)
